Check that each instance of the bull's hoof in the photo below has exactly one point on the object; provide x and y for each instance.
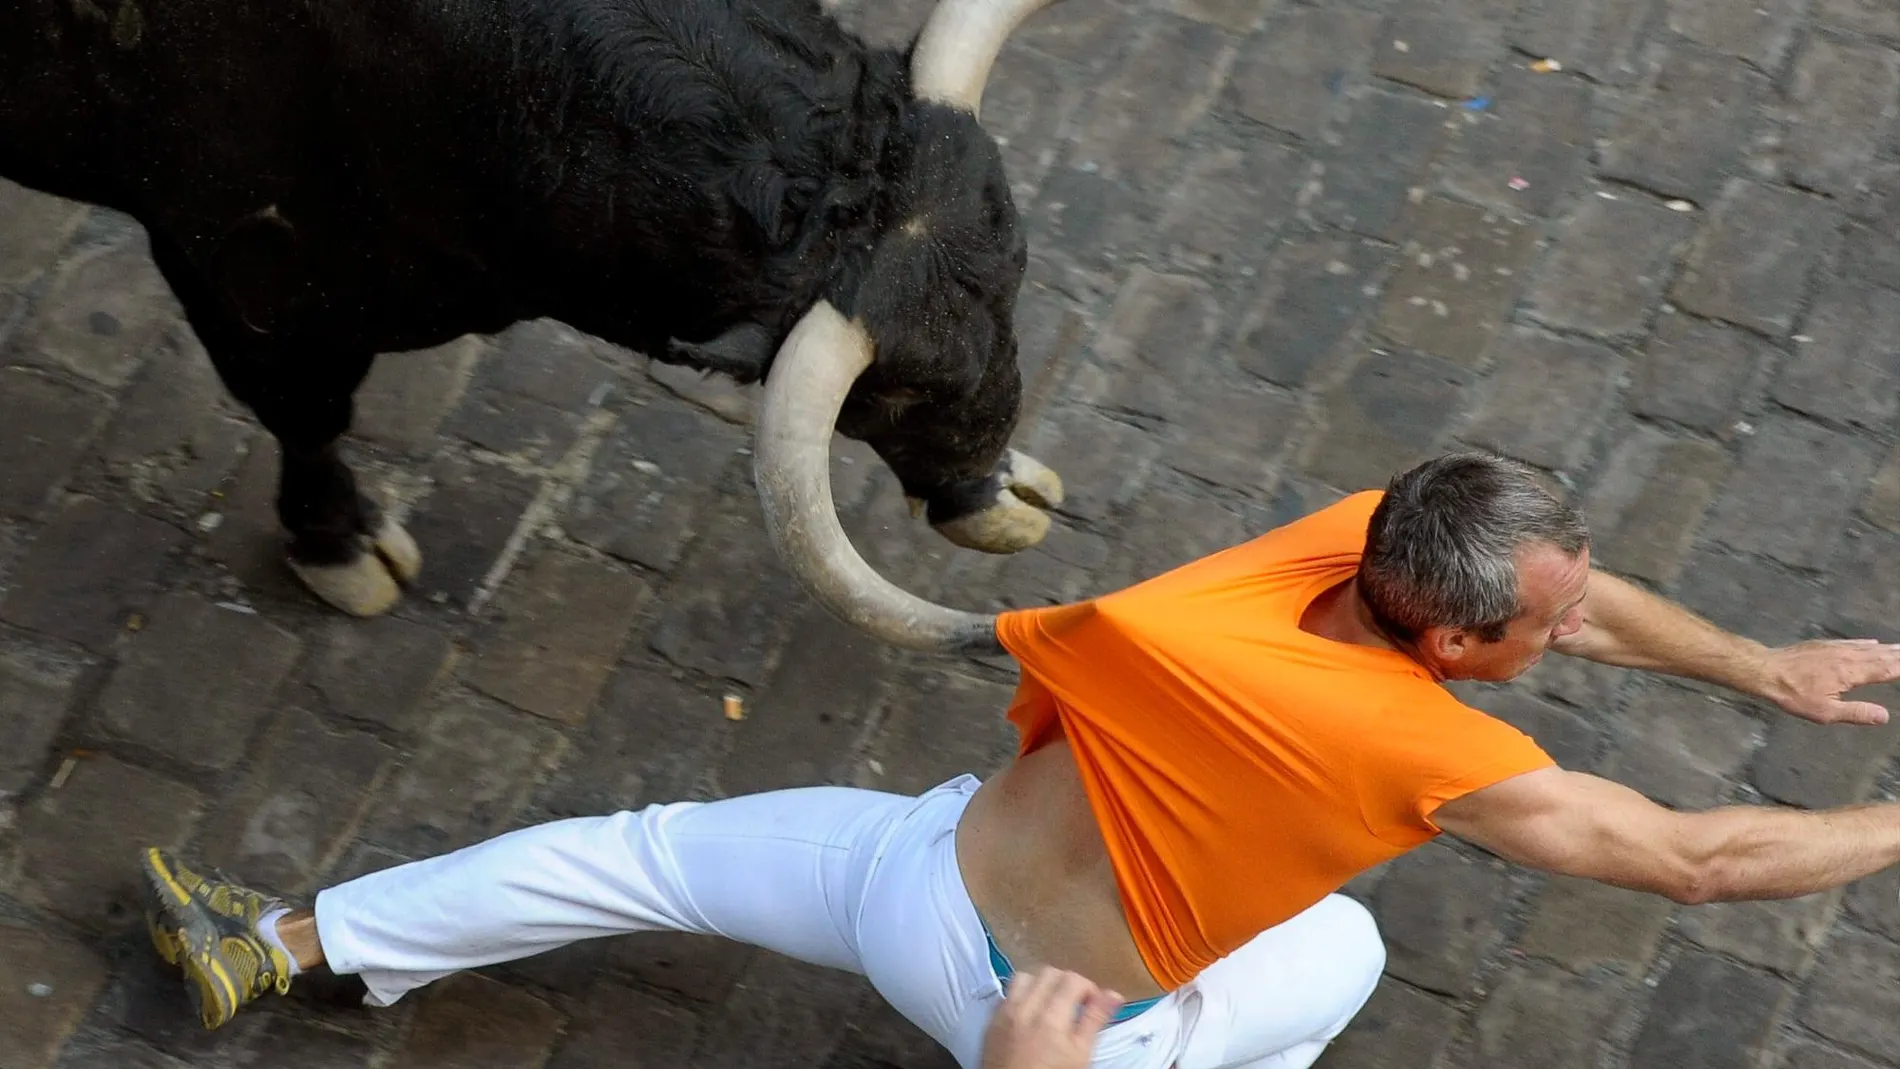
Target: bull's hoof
(370, 584)
(1017, 516)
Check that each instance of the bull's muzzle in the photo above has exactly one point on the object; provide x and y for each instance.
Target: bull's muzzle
(1004, 513)
(813, 371)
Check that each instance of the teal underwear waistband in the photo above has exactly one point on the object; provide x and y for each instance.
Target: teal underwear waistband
(999, 964)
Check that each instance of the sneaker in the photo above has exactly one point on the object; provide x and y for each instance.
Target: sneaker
(208, 928)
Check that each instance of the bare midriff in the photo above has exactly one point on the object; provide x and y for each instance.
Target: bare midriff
(1039, 874)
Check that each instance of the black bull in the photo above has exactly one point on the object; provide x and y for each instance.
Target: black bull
(736, 185)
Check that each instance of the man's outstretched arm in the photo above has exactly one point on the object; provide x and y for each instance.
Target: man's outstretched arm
(1629, 627)
(1576, 824)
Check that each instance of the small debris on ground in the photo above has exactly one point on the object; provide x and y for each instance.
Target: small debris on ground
(1518, 183)
(735, 707)
(1546, 66)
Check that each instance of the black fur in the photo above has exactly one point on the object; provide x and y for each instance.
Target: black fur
(325, 180)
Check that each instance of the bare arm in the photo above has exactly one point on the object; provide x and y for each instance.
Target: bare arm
(1581, 825)
(1629, 627)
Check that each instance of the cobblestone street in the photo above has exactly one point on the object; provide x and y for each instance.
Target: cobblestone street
(1279, 251)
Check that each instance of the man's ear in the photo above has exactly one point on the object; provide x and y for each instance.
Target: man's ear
(1447, 645)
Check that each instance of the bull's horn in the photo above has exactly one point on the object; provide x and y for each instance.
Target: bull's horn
(952, 59)
(824, 354)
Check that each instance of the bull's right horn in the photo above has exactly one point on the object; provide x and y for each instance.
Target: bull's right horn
(813, 371)
(959, 44)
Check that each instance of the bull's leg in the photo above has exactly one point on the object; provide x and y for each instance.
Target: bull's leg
(341, 546)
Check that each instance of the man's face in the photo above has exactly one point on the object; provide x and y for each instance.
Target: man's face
(1551, 585)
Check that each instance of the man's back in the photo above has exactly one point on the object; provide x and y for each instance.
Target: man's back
(1039, 874)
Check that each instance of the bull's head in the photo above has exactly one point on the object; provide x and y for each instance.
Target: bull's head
(947, 446)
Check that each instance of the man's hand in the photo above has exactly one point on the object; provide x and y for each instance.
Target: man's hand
(1808, 678)
(1049, 1021)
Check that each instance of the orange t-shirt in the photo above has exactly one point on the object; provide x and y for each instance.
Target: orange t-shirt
(1241, 768)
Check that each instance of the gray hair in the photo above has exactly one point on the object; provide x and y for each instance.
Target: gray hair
(1441, 549)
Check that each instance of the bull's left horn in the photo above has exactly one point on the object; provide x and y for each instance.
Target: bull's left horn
(813, 371)
(959, 44)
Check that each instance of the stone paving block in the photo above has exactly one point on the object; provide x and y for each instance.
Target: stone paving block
(703, 968)
(464, 525)
(1312, 292)
(1748, 595)
(1582, 925)
(714, 393)
(1230, 200)
(1825, 765)
(561, 624)
(1882, 503)
(1538, 130)
(937, 724)
(38, 227)
(1609, 267)
(307, 787)
(801, 729)
(1874, 902)
(1258, 423)
(469, 1020)
(1365, 184)
(889, 25)
(90, 567)
(1130, 125)
(1597, 38)
(1807, 1055)
(1090, 218)
(1104, 462)
(249, 541)
(1698, 374)
(1876, 18)
(661, 465)
(1461, 271)
(48, 425)
(1391, 413)
(1759, 33)
(193, 683)
(90, 1051)
(50, 983)
(1845, 372)
(1709, 1013)
(37, 686)
(1512, 413)
(408, 395)
(1780, 935)
(1445, 49)
(622, 1028)
(475, 765)
(1438, 909)
(79, 845)
(168, 439)
(726, 628)
(1062, 568)
(103, 311)
(1751, 263)
(877, 1035)
(1649, 501)
(1570, 739)
(1171, 525)
(784, 1013)
(1681, 134)
(1680, 747)
(1089, 36)
(1853, 994)
(1162, 323)
(1027, 103)
(524, 430)
(288, 1043)
(1290, 77)
(1540, 1015)
(1399, 1028)
(649, 742)
(1867, 593)
(1867, 252)
(1792, 489)
(377, 671)
(1239, 16)
(1842, 101)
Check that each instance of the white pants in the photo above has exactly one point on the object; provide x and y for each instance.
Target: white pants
(853, 879)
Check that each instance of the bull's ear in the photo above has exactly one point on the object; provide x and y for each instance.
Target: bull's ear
(761, 190)
(743, 352)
